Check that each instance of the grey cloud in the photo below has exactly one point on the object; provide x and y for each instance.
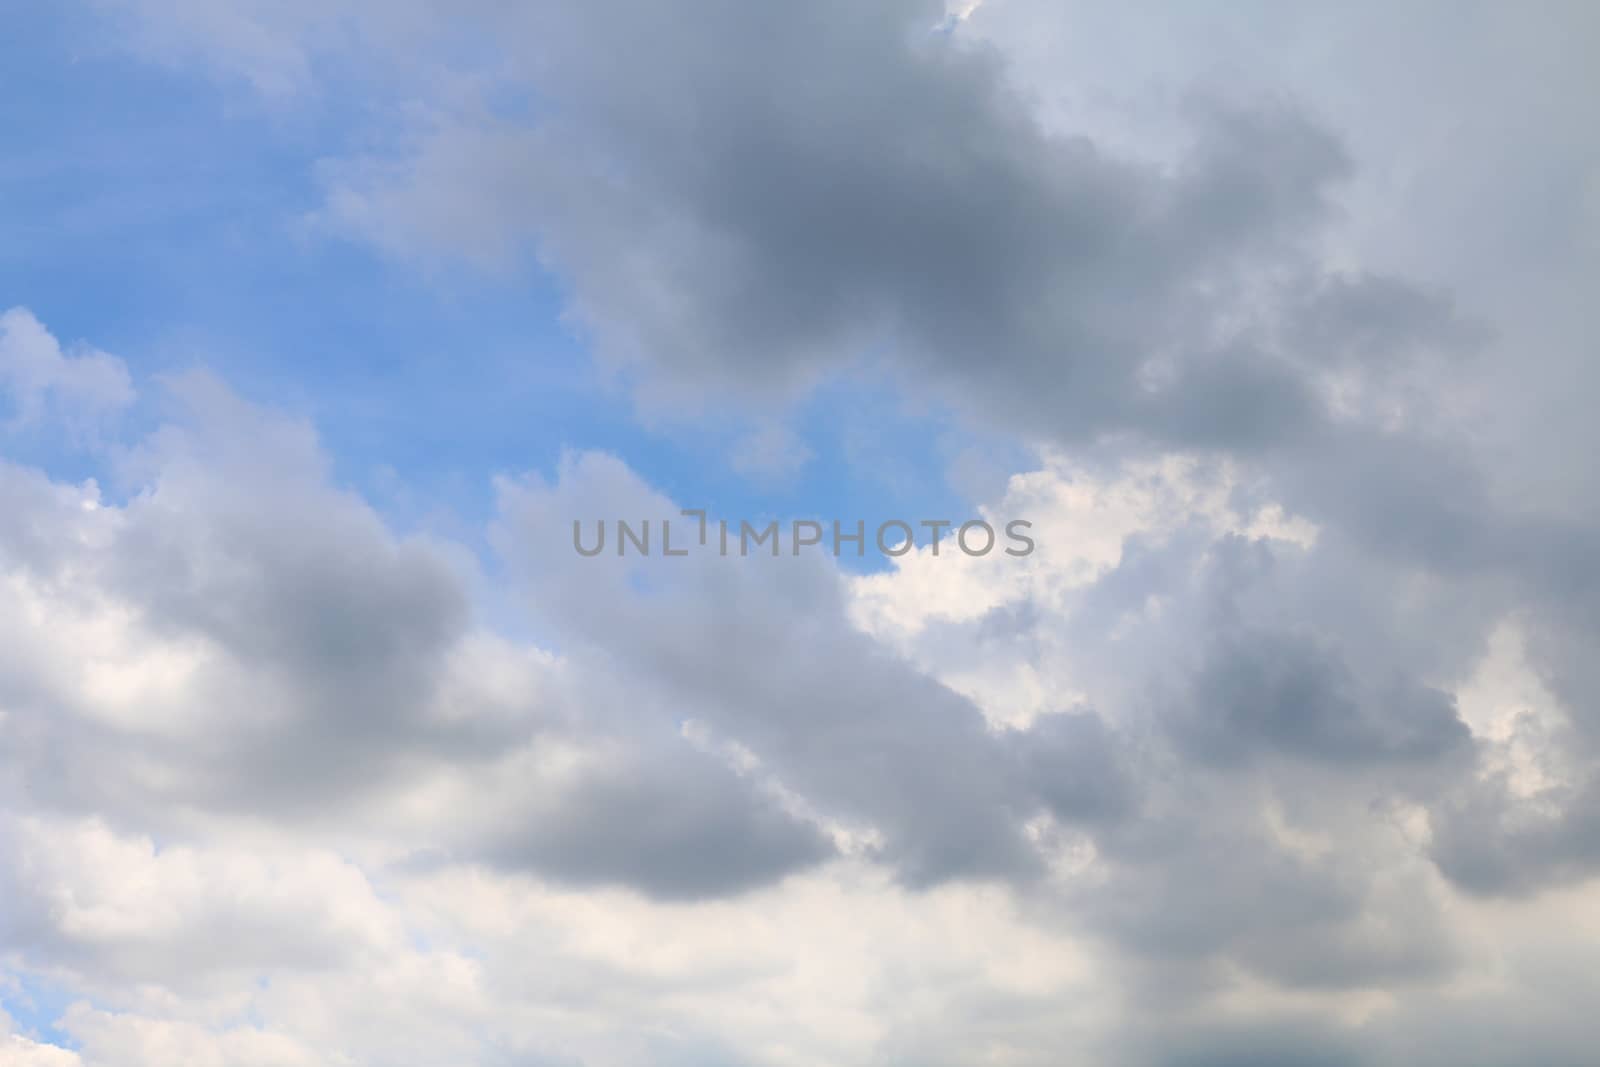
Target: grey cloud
(1265, 649)
(1285, 1042)
(1194, 890)
(1564, 619)
(672, 826)
(1202, 889)
(1076, 766)
(1283, 693)
(1365, 319)
(1491, 842)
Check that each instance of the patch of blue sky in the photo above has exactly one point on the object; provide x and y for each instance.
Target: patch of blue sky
(35, 1006)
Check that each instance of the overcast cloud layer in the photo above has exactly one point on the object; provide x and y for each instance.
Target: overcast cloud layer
(1282, 748)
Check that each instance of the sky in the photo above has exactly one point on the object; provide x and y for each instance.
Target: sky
(321, 324)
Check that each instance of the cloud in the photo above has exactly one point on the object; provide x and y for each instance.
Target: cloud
(672, 825)
(84, 387)
(1275, 691)
(23, 1052)
(144, 1042)
(120, 910)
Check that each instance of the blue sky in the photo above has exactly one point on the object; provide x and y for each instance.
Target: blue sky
(36, 1005)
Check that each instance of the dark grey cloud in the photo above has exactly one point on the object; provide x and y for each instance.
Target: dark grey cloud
(1285, 693)
(1285, 1042)
(1204, 886)
(1492, 842)
(1366, 320)
(1076, 766)
(671, 825)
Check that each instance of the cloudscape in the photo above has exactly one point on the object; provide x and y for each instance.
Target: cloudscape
(799, 533)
